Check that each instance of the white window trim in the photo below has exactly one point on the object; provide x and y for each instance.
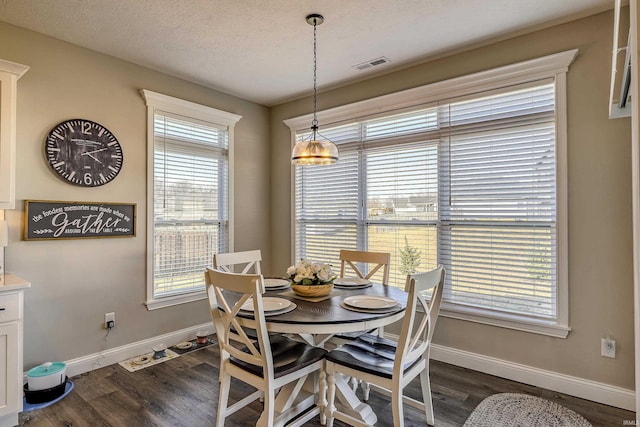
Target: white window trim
(156, 101)
(554, 66)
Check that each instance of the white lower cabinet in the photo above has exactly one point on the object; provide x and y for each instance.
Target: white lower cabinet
(10, 397)
(11, 364)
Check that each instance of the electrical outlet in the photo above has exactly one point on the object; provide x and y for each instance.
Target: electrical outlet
(109, 320)
(608, 348)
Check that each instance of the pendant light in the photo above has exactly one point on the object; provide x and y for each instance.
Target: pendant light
(314, 151)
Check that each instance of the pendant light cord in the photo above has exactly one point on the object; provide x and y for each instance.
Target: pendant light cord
(314, 123)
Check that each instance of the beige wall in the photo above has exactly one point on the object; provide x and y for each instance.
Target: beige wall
(74, 282)
(599, 180)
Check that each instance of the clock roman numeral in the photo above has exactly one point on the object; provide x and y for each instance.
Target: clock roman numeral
(57, 165)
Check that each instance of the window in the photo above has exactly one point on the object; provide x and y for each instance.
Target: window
(470, 176)
(189, 202)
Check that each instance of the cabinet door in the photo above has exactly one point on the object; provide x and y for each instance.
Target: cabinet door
(10, 72)
(7, 139)
(10, 386)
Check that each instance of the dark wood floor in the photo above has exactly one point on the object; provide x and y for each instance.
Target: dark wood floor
(184, 392)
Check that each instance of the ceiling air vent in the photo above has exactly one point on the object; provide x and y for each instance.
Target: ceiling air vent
(372, 63)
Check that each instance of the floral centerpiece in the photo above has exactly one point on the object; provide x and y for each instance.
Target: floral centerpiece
(311, 279)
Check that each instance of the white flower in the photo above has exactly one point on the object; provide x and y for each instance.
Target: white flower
(311, 273)
(323, 275)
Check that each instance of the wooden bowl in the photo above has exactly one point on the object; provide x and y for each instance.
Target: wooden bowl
(312, 290)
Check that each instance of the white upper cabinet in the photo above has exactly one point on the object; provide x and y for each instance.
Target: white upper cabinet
(10, 72)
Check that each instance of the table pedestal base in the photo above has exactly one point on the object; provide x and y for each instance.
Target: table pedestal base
(358, 412)
(293, 399)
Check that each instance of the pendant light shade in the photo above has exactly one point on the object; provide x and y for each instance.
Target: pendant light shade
(317, 150)
(314, 152)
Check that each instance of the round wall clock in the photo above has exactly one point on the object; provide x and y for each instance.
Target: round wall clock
(83, 153)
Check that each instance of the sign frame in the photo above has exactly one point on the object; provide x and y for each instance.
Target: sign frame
(62, 220)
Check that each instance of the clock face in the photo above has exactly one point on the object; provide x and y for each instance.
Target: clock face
(83, 153)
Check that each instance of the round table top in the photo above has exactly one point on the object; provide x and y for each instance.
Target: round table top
(329, 316)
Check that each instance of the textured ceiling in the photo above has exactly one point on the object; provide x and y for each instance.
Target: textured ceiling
(261, 50)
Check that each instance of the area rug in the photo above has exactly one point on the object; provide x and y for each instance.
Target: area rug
(521, 410)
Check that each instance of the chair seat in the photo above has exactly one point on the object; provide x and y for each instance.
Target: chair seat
(368, 353)
(288, 356)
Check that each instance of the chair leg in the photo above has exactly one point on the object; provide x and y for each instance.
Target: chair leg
(322, 400)
(223, 398)
(331, 395)
(426, 395)
(268, 413)
(396, 406)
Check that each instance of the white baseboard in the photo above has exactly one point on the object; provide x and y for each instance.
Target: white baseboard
(574, 386)
(110, 356)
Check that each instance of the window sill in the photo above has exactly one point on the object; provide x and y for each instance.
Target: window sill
(518, 323)
(169, 301)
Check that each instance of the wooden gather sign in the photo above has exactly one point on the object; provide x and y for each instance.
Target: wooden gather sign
(46, 220)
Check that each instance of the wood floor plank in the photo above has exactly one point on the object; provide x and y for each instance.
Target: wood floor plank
(184, 392)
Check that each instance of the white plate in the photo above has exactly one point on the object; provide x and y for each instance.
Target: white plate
(292, 307)
(368, 310)
(276, 283)
(350, 281)
(269, 304)
(370, 302)
(353, 287)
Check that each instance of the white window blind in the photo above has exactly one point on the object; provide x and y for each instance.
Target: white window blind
(498, 202)
(469, 183)
(191, 170)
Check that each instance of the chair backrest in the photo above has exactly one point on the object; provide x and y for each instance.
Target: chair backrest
(227, 262)
(375, 260)
(224, 314)
(415, 340)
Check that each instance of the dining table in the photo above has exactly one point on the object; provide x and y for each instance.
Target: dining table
(316, 320)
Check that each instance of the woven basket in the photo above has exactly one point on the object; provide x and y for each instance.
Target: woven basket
(312, 290)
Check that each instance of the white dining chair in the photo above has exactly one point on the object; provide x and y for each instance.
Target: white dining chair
(246, 262)
(250, 261)
(374, 261)
(269, 363)
(391, 365)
